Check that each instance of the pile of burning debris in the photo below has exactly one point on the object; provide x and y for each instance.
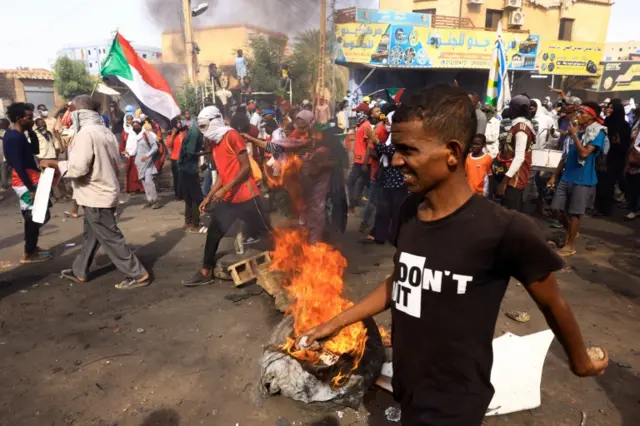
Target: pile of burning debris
(339, 370)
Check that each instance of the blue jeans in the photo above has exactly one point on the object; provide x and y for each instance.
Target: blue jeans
(370, 208)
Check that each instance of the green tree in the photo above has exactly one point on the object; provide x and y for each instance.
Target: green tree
(188, 99)
(71, 78)
(265, 63)
(304, 66)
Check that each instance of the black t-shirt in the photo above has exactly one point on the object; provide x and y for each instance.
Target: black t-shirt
(451, 277)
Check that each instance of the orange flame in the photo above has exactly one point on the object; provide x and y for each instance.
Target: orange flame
(385, 335)
(313, 280)
(289, 179)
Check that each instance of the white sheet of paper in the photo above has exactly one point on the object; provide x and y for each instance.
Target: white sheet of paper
(43, 192)
(516, 372)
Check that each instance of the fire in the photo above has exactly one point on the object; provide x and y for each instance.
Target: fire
(288, 178)
(314, 282)
(385, 335)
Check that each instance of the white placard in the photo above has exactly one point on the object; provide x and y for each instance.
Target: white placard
(43, 192)
(516, 372)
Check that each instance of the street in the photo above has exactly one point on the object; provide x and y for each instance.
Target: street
(88, 354)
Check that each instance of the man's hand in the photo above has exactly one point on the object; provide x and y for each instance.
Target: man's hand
(573, 130)
(321, 332)
(219, 195)
(551, 184)
(144, 158)
(502, 188)
(48, 164)
(591, 367)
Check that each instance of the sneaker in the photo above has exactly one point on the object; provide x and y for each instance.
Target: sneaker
(37, 257)
(631, 216)
(250, 240)
(156, 205)
(199, 280)
(148, 205)
(556, 224)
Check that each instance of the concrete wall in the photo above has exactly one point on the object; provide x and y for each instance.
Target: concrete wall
(591, 16)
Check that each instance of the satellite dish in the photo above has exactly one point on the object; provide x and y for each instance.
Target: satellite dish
(199, 9)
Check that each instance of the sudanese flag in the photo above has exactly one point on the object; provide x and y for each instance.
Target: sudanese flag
(151, 90)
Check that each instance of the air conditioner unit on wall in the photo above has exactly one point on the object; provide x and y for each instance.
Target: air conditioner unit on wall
(475, 1)
(512, 4)
(516, 18)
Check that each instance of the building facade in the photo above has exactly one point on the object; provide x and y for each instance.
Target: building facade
(92, 55)
(622, 51)
(29, 85)
(217, 45)
(571, 20)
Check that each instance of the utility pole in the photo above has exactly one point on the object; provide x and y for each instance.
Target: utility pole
(333, 57)
(188, 41)
(323, 44)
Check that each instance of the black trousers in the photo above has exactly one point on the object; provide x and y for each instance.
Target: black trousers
(192, 195)
(513, 199)
(32, 231)
(356, 182)
(176, 179)
(387, 213)
(339, 209)
(223, 217)
(633, 192)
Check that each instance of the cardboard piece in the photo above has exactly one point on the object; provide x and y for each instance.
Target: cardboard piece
(43, 192)
(516, 374)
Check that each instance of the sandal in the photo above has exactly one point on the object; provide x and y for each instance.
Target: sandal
(133, 283)
(519, 316)
(68, 274)
(566, 252)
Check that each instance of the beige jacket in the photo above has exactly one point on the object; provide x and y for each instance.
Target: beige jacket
(46, 145)
(93, 167)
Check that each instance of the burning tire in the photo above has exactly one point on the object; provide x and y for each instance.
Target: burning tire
(315, 383)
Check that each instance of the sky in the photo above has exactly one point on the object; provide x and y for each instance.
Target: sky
(55, 24)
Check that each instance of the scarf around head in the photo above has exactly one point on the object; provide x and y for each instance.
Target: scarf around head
(82, 118)
(361, 117)
(212, 118)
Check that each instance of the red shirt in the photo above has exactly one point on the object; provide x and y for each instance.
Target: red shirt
(175, 144)
(225, 155)
(360, 148)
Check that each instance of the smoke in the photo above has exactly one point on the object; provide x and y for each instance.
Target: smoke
(286, 16)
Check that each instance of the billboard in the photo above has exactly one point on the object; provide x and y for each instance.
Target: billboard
(374, 16)
(560, 57)
(358, 43)
(413, 46)
(620, 76)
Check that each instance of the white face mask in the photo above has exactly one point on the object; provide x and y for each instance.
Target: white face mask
(44, 113)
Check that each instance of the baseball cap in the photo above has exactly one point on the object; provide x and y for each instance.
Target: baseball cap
(366, 99)
(518, 102)
(362, 108)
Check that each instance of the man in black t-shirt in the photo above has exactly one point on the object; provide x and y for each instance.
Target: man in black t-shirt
(456, 253)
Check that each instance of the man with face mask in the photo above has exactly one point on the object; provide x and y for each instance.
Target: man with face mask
(235, 192)
(93, 168)
(26, 174)
(147, 148)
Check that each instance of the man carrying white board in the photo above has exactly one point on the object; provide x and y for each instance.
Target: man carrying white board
(24, 177)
